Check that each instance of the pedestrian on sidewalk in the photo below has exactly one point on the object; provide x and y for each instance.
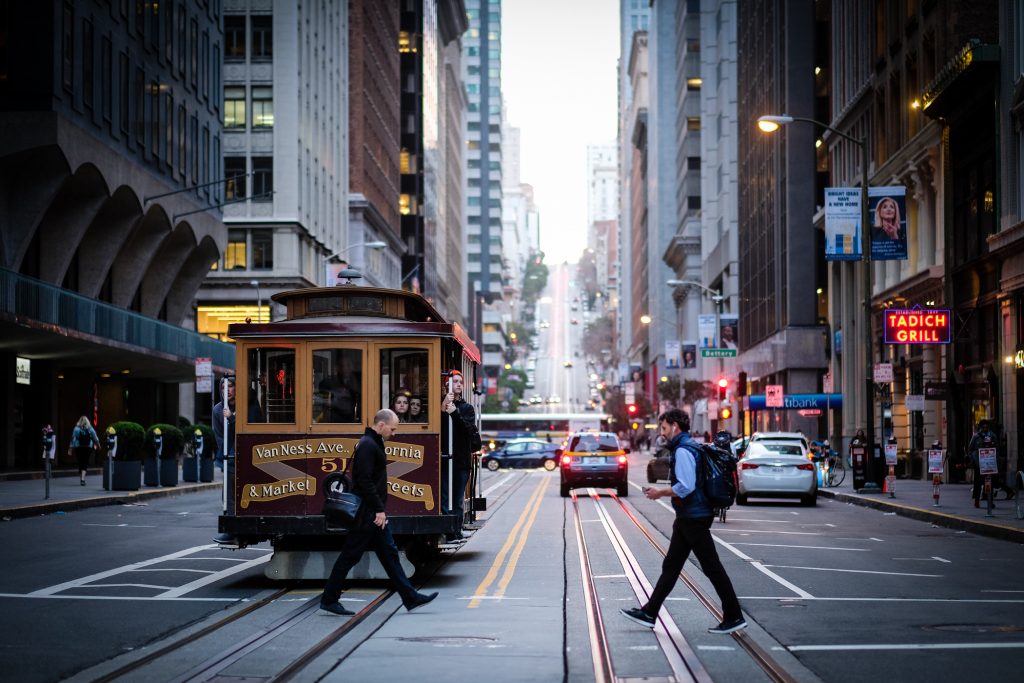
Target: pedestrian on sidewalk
(986, 438)
(83, 441)
(370, 483)
(690, 532)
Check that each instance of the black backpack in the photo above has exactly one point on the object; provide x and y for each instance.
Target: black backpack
(84, 438)
(717, 475)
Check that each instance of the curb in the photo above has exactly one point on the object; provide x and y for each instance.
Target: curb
(49, 507)
(943, 519)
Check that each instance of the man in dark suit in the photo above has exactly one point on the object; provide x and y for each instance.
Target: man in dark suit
(370, 482)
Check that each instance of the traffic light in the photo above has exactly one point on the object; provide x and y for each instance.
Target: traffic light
(636, 425)
(741, 384)
(631, 409)
(725, 413)
(723, 386)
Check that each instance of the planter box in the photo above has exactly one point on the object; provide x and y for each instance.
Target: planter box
(127, 474)
(188, 469)
(168, 472)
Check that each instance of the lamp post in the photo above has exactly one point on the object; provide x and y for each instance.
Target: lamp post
(375, 244)
(719, 300)
(770, 124)
(259, 300)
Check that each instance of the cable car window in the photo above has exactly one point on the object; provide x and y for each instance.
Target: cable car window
(338, 378)
(271, 385)
(404, 382)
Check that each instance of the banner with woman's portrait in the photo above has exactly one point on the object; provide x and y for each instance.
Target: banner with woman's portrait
(887, 211)
(689, 354)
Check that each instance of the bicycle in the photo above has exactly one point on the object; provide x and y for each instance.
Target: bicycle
(833, 468)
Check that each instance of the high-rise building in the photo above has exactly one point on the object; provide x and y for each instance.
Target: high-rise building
(110, 149)
(286, 143)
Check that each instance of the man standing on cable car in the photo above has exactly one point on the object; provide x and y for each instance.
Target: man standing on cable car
(465, 440)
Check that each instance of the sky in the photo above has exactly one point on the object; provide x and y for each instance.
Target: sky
(559, 61)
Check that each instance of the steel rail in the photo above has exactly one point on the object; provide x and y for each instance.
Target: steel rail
(772, 668)
(599, 650)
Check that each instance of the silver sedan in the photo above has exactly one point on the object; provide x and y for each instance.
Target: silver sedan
(773, 470)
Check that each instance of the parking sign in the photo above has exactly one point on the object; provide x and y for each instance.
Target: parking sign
(773, 396)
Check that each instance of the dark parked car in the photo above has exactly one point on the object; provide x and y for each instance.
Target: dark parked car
(660, 463)
(523, 453)
(595, 459)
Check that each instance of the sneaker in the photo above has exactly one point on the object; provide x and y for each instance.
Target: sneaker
(420, 599)
(729, 626)
(335, 608)
(639, 616)
(82, 482)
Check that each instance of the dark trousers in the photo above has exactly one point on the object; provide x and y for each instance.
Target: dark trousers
(368, 537)
(82, 454)
(455, 505)
(695, 535)
(998, 482)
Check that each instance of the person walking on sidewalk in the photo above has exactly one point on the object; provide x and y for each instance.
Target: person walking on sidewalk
(984, 438)
(370, 483)
(690, 532)
(83, 441)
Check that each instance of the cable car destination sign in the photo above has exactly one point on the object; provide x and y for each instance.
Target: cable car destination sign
(917, 326)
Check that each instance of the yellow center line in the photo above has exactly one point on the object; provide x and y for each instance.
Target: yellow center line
(492, 573)
(510, 569)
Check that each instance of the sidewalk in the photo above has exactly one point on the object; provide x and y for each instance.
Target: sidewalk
(26, 497)
(913, 498)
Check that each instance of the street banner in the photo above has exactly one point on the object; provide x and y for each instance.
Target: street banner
(773, 397)
(842, 224)
(672, 354)
(689, 354)
(987, 461)
(706, 330)
(887, 210)
(935, 461)
(728, 329)
(915, 402)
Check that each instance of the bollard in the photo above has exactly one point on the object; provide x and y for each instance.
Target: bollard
(890, 460)
(987, 492)
(49, 449)
(890, 482)
(158, 441)
(936, 483)
(111, 455)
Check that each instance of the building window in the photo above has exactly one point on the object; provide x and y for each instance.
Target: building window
(234, 107)
(123, 93)
(262, 178)
(262, 107)
(234, 178)
(169, 125)
(169, 32)
(140, 107)
(234, 38)
(182, 118)
(193, 37)
(693, 123)
(107, 86)
(88, 64)
(67, 45)
(262, 37)
(693, 163)
(262, 249)
(693, 203)
(194, 147)
(154, 122)
(181, 39)
(204, 67)
(234, 254)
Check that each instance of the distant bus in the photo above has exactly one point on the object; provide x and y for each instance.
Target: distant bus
(500, 427)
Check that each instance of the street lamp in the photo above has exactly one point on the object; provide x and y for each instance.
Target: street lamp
(770, 124)
(645, 319)
(259, 300)
(375, 244)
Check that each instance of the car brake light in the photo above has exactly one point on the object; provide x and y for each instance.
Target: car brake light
(805, 466)
(748, 465)
(566, 459)
(622, 460)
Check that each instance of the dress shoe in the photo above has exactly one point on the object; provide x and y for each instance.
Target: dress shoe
(419, 600)
(335, 608)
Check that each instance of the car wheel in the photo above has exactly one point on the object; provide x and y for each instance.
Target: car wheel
(549, 465)
(741, 499)
(493, 465)
(623, 489)
(565, 491)
(809, 501)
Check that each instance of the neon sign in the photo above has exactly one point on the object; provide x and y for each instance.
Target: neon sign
(917, 326)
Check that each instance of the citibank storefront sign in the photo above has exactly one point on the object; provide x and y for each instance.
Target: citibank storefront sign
(796, 402)
(917, 326)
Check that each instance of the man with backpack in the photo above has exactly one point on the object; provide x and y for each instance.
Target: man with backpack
(691, 531)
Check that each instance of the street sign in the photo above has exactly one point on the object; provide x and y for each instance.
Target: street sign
(204, 367)
(630, 392)
(890, 454)
(204, 384)
(987, 461)
(718, 353)
(935, 461)
(915, 402)
(810, 412)
(883, 373)
(827, 386)
(773, 396)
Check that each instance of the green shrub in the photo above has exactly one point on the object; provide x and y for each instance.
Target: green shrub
(173, 439)
(130, 440)
(209, 440)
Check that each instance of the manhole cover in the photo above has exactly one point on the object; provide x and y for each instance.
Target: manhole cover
(442, 641)
(975, 628)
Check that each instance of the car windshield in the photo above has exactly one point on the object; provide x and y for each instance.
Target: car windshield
(593, 443)
(783, 448)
